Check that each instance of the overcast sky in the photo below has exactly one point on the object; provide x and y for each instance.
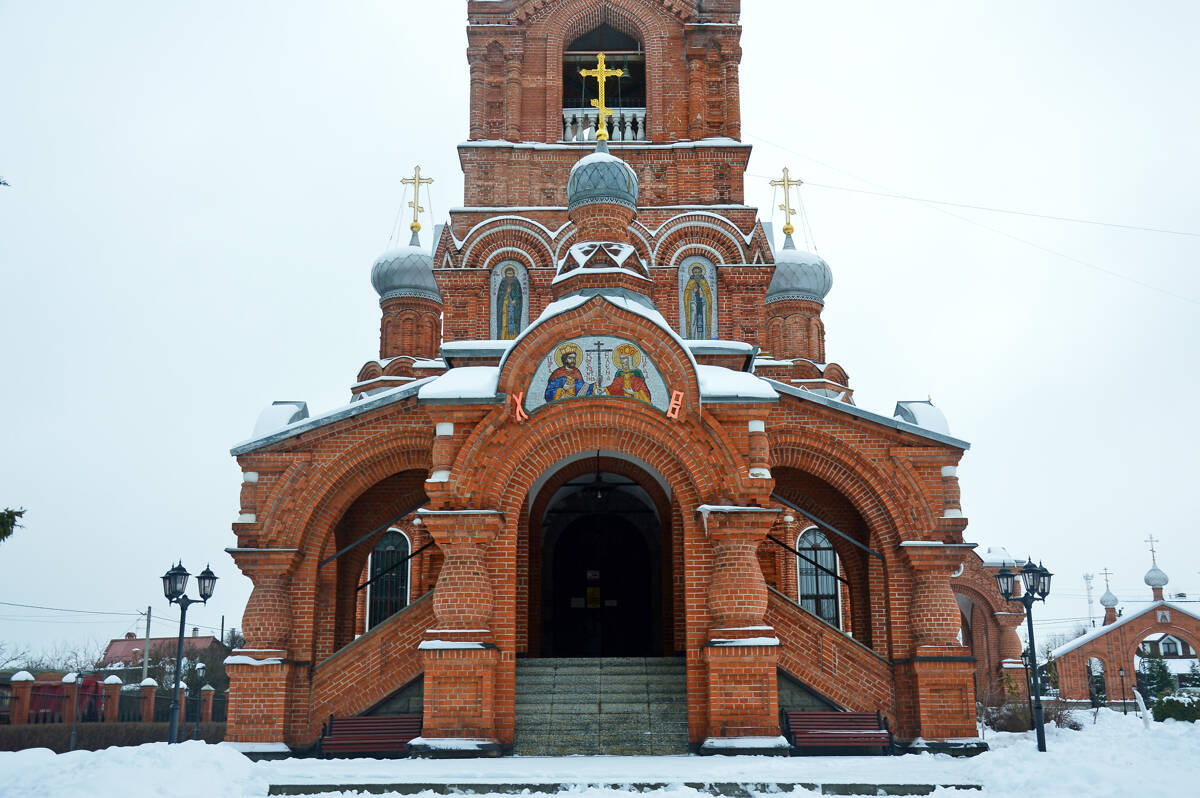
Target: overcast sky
(198, 191)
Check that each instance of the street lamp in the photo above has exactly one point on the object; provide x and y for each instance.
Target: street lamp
(1124, 709)
(1036, 581)
(174, 585)
(200, 668)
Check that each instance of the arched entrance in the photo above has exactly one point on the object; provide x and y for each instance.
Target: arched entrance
(601, 569)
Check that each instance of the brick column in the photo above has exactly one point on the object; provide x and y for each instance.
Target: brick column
(1010, 650)
(742, 650)
(70, 691)
(22, 687)
(459, 653)
(512, 97)
(112, 698)
(206, 703)
(149, 689)
(733, 102)
(259, 673)
(695, 124)
(940, 670)
(475, 60)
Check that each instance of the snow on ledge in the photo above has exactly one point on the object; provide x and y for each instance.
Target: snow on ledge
(242, 659)
(257, 748)
(22, 676)
(449, 645)
(720, 383)
(148, 682)
(464, 382)
(725, 642)
(745, 742)
(114, 679)
(451, 743)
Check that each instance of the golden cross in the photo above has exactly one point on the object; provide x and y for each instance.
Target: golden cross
(601, 74)
(1153, 553)
(1106, 574)
(416, 181)
(787, 183)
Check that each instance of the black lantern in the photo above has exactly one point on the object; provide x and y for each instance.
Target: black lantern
(175, 582)
(200, 669)
(1029, 577)
(1043, 581)
(1006, 581)
(206, 580)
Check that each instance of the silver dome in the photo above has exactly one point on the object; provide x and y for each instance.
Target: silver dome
(799, 275)
(1156, 578)
(405, 271)
(602, 178)
(1108, 600)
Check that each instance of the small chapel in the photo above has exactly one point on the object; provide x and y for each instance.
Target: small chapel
(602, 489)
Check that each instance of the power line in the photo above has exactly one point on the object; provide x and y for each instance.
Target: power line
(61, 609)
(933, 205)
(46, 619)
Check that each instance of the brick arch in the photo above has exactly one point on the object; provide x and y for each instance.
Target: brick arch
(698, 228)
(340, 483)
(507, 233)
(558, 24)
(1173, 629)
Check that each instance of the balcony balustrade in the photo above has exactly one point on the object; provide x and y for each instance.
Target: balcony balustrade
(626, 124)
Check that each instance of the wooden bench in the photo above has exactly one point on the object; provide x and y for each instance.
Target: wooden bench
(838, 730)
(369, 734)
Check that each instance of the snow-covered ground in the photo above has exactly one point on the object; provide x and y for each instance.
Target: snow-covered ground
(1114, 756)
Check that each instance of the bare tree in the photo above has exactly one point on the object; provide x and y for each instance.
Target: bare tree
(11, 656)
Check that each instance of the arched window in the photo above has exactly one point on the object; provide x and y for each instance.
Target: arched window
(624, 93)
(389, 568)
(818, 585)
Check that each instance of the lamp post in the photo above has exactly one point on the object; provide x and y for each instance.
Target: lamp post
(174, 585)
(1036, 582)
(200, 668)
(1124, 709)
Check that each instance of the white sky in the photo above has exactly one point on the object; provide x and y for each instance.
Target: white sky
(199, 190)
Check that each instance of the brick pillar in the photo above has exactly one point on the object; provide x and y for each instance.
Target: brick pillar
(938, 675)
(1011, 665)
(70, 691)
(475, 61)
(112, 698)
(742, 650)
(512, 97)
(787, 530)
(206, 703)
(695, 124)
(149, 689)
(733, 102)
(22, 695)
(459, 653)
(258, 674)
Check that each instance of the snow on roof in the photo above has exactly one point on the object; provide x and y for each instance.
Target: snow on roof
(356, 408)
(465, 383)
(278, 415)
(616, 146)
(719, 346)
(997, 557)
(1124, 619)
(719, 384)
(867, 415)
(922, 414)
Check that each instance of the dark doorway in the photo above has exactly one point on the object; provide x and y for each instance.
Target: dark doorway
(601, 574)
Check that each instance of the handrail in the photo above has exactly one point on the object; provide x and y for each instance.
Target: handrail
(807, 559)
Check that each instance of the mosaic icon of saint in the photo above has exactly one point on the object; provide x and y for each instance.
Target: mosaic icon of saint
(629, 380)
(697, 302)
(510, 299)
(566, 382)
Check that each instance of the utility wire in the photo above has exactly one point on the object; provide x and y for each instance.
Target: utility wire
(934, 205)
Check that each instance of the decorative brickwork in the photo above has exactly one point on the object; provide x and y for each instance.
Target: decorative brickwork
(598, 414)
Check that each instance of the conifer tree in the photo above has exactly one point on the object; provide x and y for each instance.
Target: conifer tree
(9, 520)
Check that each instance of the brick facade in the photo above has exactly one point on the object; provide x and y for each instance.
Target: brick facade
(717, 473)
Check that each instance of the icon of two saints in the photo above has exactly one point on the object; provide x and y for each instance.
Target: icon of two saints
(566, 381)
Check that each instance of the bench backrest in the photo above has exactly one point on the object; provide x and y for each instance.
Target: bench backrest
(377, 724)
(833, 720)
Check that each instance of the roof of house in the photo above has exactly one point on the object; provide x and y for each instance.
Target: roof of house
(128, 650)
(1103, 630)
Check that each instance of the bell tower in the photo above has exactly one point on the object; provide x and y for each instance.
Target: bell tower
(672, 87)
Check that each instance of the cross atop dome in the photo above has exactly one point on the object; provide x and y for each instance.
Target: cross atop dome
(601, 73)
(787, 184)
(416, 181)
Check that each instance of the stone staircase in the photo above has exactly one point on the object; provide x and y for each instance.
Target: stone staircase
(626, 706)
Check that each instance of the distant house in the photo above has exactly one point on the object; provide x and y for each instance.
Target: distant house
(123, 656)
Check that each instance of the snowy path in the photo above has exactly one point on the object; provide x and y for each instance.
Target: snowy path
(1115, 757)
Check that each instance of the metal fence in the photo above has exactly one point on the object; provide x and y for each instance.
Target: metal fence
(5, 703)
(46, 706)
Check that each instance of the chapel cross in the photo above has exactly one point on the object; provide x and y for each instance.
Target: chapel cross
(416, 181)
(600, 349)
(601, 74)
(787, 183)
(1106, 574)
(1153, 554)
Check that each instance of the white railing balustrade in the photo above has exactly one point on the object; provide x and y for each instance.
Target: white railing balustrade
(626, 124)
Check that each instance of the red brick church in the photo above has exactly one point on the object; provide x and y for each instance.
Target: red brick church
(603, 491)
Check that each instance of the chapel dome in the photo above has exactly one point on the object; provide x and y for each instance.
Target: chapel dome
(1156, 578)
(1108, 600)
(405, 271)
(602, 177)
(799, 275)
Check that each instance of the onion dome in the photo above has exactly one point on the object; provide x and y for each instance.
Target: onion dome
(799, 275)
(602, 177)
(1156, 578)
(405, 271)
(1108, 600)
